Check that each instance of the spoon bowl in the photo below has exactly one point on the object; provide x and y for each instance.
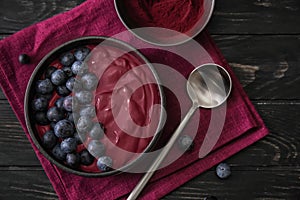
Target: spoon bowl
(209, 85)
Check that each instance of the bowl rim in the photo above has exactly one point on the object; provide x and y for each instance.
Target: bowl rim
(27, 104)
(187, 38)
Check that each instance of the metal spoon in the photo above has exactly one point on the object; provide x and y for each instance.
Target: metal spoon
(208, 86)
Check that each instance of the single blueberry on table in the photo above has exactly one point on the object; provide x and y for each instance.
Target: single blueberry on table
(44, 86)
(62, 91)
(67, 104)
(55, 114)
(89, 81)
(79, 68)
(81, 53)
(84, 97)
(59, 103)
(104, 163)
(41, 118)
(86, 158)
(68, 71)
(88, 111)
(97, 131)
(185, 143)
(49, 139)
(68, 145)
(67, 59)
(58, 153)
(40, 104)
(58, 77)
(24, 59)
(84, 124)
(49, 71)
(223, 170)
(73, 160)
(96, 148)
(64, 128)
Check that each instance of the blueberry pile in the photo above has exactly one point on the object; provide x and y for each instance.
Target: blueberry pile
(72, 117)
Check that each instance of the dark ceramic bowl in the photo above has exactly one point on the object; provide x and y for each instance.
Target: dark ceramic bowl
(40, 69)
(153, 35)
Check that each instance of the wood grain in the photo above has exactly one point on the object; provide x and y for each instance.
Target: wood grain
(22, 13)
(249, 17)
(267, 66)
(274, 183)
(256, 184)
(32, 184)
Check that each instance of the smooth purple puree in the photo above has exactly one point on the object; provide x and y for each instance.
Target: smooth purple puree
(178, 15)
(118, 77)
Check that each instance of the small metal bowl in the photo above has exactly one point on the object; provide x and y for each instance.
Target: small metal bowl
(148, 34)
(40, 69)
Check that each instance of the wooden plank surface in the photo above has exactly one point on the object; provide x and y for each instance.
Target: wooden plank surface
(261, 41)
(252, 183)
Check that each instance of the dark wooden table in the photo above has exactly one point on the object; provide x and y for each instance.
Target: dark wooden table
(261, 41)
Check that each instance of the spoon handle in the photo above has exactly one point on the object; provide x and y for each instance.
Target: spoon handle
(164, 152)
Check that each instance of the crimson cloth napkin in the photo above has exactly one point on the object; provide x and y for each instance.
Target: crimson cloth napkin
(243, 126)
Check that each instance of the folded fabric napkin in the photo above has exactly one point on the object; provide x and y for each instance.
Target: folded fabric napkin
(243, 126)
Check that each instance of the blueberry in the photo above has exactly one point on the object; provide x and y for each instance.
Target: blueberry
(86, 158)
(73, 160)
(68, 71)
(55, 114)
(46, 96)
(41, 118)
(64, 128)
(67, 104)
(24, 59)
(81, 53)
(185, 143)
(79, 68)
(84, 97)
(44, 86)
(89, 81)
(40, 104)
(89, 111)
(49, 139)
(210, 198)
(84, 124)
(96, 148)
(70, 83)
(59, 103)
(62, 91)
(72, 116)
(49, 71)
(58, 153)
(67, 59)
(79, 137)
(223, 170)
(104, 163)
(58, 77)
(97, 131)
(68, 145)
